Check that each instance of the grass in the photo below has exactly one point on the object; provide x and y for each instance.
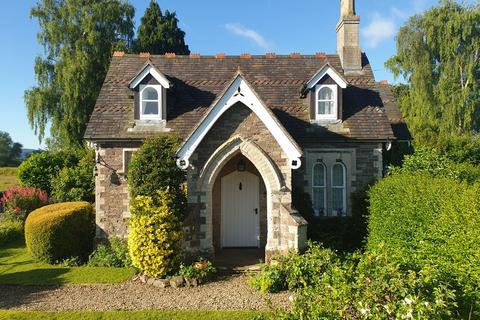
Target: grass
(8, 178)
(129, 315)
(18, 267)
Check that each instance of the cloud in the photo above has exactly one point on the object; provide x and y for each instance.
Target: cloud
(250, 34)
(378, 30)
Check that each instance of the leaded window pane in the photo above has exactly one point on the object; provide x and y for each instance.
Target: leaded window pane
(319, 200)
(319, 175)
(149, 94)
(150, 107)
(338, 178)
(337, 200)
(325, 94)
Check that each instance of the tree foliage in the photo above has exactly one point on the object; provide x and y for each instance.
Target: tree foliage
(10, 152)
(159, 33)
(154, 168)
(78, 37)
(438, 54)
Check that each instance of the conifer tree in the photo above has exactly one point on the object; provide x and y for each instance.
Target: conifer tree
(159, 33)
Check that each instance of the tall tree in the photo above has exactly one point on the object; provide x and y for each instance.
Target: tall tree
(10, 152)
(438, 54)
(159, 34)
(78, 37)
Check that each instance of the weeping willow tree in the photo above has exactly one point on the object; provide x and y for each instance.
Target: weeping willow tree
(78, 37)
(438, 54)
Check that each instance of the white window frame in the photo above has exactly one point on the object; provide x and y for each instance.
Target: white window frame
(334, 115)
(343, 187)
(159, 90)
(325, 199)
(124, 151)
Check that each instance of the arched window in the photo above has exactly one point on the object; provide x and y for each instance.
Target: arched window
(150, 106)
(326, 102)
(319, 189)
(339, 201)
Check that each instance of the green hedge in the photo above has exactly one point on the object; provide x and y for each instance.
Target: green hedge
(10, 230)
(425, 220)
(153, 168)
(60, 231)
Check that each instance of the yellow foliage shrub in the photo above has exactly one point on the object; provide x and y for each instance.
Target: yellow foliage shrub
(59, 231)
(155, 237)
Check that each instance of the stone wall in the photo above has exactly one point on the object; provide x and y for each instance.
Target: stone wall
(111, 191)
(239, 130)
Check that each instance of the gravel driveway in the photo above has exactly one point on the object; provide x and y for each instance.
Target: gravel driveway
(229, 293)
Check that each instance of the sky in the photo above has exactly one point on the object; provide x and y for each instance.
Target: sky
(211, 26)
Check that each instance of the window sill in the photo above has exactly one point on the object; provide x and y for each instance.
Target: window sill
(143, 125)
(326, 121)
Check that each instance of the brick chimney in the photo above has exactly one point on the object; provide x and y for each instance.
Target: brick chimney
(348, 37)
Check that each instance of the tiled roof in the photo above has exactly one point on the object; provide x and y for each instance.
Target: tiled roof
(369, 110)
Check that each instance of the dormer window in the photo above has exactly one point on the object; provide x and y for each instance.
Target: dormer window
(150, 102)
(326, 102)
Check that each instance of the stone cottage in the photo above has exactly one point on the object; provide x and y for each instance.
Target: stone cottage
(254, 130)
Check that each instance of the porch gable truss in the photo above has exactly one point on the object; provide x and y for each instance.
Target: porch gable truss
(239, 90)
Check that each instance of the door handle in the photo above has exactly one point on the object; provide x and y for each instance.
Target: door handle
(256, 210)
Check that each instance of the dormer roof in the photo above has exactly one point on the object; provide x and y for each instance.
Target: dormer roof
(149, 69)
(327, 69)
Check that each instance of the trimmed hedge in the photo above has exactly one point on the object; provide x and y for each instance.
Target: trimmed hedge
(60, 231)
(424, 221)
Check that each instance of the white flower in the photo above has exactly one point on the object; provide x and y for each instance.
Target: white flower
(408, 301)
(364, 311)
(409, 314)
(291, 298)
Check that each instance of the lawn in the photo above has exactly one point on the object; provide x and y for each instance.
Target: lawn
(17, 267)
(129, 315)
(8, 178)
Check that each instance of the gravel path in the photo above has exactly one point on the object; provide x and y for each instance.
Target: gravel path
(228, 293)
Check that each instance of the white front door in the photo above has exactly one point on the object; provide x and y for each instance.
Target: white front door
(240, 210)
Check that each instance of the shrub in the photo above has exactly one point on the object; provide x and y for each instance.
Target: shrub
(373, 286)
(38, 170)
(154, 168)
(77, 183)
(301, 271)
(201, 270)
(427, 221)
(429, 161)
(271, 279)
(155, 238)
(338, 233)
(113, 254)
(19, 202)
(60, 231)
(10, 231)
